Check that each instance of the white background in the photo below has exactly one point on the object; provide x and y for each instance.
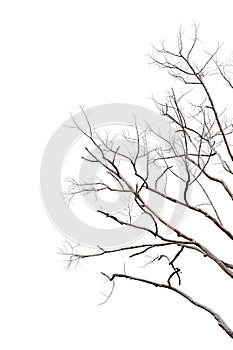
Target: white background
(56, 55)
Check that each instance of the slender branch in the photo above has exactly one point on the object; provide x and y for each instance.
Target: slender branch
(216, 316)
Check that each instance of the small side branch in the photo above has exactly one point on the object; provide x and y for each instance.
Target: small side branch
(216, 316)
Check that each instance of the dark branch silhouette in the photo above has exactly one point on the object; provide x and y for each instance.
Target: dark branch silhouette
(206, 158)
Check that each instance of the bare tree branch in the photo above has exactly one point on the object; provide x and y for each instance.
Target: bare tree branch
(200, 145)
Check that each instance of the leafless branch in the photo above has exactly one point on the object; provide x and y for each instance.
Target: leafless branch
(200, 144)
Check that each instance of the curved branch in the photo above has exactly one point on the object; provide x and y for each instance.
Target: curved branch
(216, 316)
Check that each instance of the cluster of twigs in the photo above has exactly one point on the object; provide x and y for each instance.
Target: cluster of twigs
(206, 157)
